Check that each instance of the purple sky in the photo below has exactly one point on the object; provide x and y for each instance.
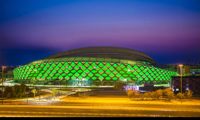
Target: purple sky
(167, 30)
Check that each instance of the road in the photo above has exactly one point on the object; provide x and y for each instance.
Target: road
(98, 106)
(76, 109)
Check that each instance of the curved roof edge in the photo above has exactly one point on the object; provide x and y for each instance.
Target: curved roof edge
(129, 54)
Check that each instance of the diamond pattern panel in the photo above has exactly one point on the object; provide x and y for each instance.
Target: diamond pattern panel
(92, 70)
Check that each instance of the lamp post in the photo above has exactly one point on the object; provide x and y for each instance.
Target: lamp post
(181, 75)
(27, 82)
(2, 75)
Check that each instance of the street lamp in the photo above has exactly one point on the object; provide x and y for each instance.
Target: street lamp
(181, 75)
(3, 67)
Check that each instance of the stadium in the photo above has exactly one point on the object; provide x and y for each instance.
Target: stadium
(94, 66)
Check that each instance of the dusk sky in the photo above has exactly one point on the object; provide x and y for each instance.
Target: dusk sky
(166, 30)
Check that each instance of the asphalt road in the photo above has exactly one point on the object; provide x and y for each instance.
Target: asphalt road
(103, 110)
(96, 107)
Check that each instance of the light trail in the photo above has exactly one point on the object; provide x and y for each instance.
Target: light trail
(104, 108)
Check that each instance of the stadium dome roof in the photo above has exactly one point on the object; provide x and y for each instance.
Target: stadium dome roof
(105, 52)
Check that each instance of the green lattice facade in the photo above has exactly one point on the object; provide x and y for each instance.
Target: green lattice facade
(95, 69)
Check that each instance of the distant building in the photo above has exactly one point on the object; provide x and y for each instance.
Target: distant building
(7, 73)
(190, 79)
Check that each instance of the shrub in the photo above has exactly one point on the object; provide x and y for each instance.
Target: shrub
(180, 95)
(168, 94)
(146, 95)
(152, 94)
(158, 94)
(119, 85)
(130, 93)
(188, 94)
(133, 94)
(136, 94)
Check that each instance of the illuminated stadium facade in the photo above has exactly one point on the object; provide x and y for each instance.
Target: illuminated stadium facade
(94, 66)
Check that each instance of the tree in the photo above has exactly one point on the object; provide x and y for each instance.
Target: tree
(16, 91)
(22, 90)
(8, 92)
(1, 92)
(13, 91)
(34, 91)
